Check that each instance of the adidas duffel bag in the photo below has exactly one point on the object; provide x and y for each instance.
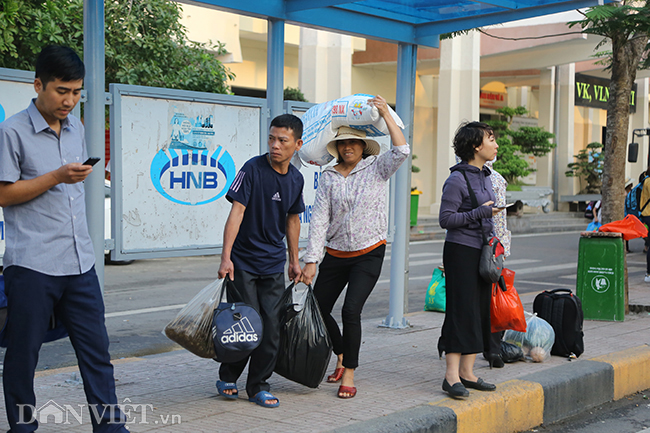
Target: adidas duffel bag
(236, 329)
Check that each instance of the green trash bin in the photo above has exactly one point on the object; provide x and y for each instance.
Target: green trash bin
(415, 201)
(601, 276)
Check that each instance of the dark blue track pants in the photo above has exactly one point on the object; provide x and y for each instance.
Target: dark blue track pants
(76, 301)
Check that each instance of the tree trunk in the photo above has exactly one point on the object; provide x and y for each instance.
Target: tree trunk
(626, 54)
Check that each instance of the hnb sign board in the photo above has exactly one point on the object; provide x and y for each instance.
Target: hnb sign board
(187, 163)
(311, 173)
(16, 93)
(174, 156)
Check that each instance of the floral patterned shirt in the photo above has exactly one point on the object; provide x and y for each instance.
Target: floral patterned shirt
(349, 213)
(499, 220)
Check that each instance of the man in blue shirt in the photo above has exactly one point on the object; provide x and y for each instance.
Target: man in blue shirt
(266, 198)
(49, 259)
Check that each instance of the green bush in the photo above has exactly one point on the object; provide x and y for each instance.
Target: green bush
(513, 145)
(589, 168)
(294, 94)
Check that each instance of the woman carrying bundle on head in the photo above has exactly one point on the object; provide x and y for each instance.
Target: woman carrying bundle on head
(349, 219)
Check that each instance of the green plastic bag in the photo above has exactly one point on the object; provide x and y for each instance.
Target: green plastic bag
(436, 298)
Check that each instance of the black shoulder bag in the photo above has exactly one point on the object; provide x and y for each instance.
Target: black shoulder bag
(490, 264)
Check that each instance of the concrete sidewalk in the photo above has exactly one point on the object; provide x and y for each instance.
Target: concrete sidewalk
(399, 382)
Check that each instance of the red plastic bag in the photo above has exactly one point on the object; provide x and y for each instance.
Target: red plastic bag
(506, 309)
(630, 226)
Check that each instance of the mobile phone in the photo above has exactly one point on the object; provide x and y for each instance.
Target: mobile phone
(92, 161)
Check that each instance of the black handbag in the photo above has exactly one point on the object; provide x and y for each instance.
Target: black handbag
(236, 327)
(490, 264)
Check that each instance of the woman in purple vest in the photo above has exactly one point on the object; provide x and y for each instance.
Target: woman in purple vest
(466, 329)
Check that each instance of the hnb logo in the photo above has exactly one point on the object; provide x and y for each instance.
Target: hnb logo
(239, 332)
(192, 177)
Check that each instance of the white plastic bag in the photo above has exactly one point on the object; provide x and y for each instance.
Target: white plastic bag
(323, 120)
(192, 326)
(537, 341)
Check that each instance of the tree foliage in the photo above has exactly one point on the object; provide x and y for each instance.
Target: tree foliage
(626, 25)
(588, 166)
(533, 140)
(294, 94)
(514, 144)
(145, 42)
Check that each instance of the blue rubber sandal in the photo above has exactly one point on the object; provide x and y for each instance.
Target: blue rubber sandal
(223, 386)
(261, 397)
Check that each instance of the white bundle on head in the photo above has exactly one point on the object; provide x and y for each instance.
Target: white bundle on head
(322, 121)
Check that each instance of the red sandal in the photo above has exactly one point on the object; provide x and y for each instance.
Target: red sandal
(338, 374)
(347, 389)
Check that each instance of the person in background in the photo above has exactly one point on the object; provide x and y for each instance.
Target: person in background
(466, 328)
(642, 177)
(645, 219)
(49, 262)
(500, 221)
(349, 219)
(266, 198)
(598, 213)
(628, 189)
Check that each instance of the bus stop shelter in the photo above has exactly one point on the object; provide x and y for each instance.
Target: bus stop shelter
(408, 23)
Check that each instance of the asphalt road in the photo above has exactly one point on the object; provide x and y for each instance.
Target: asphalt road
(628, 415)
(141, 298)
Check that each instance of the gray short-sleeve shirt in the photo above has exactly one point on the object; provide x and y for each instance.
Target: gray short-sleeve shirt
(49, 233)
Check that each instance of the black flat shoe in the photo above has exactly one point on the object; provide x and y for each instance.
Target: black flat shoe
(480, 384)
(456, 391)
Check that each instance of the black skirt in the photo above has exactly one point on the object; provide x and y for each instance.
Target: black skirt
(466, 328)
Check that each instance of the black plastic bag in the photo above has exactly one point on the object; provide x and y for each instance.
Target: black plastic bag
(305, 346)
(511, 352)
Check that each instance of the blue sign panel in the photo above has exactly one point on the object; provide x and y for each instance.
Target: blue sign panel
(187, 164)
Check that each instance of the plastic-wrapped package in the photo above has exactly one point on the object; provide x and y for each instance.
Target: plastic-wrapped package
(321, 122)
(537, 341)
(192, 326)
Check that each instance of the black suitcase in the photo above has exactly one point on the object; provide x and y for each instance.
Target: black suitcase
(563, 310)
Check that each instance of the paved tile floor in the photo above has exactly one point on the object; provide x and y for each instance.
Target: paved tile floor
(399, 369)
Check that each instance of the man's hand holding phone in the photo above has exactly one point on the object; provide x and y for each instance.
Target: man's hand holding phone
(91, 161)
(75, 172)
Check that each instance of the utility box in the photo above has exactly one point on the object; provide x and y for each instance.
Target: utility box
(601, 276)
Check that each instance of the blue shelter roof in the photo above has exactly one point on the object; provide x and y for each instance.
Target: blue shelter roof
(409, 21)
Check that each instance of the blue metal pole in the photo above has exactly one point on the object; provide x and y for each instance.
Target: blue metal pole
(275, 67)
(95, 122)
(405, 101)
